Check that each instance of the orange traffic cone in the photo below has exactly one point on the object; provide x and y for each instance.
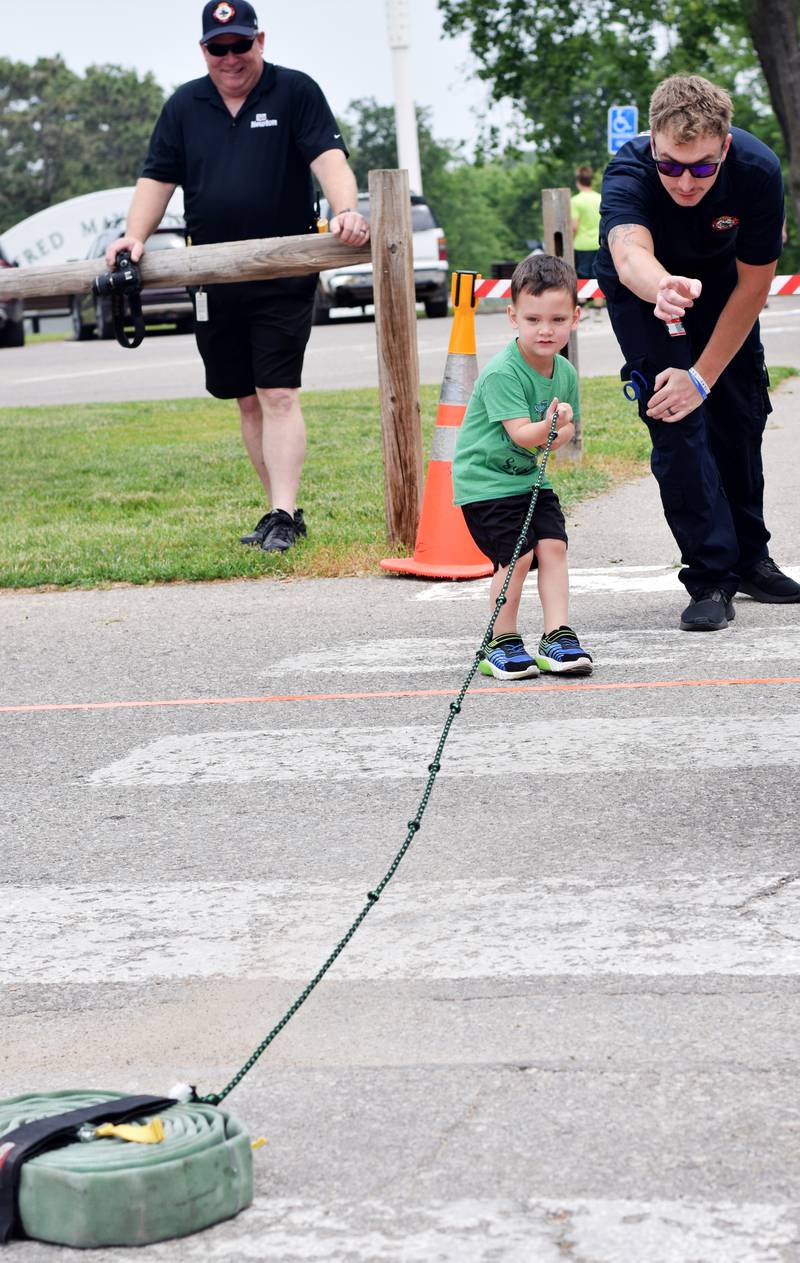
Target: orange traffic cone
(444, 548)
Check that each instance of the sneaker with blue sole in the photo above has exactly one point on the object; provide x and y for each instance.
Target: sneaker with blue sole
(506, 658)
(560, 651)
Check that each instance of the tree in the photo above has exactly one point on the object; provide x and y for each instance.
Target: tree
(489, 209)
(63, 135)
(774, 27)
(370, 131)
(564, 64)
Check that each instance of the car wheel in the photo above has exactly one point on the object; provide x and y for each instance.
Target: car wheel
(13, 334)
(105, 323)
(436, 307)
(322, 313)
(81, 332)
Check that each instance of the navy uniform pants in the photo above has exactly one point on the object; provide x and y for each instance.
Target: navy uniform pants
(708, 466)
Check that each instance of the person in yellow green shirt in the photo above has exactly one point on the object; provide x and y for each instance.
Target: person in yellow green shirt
(585, 208)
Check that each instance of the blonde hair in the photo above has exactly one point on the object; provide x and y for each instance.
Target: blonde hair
(688, 106)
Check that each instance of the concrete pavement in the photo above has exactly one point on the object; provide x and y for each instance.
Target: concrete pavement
(569, 1030)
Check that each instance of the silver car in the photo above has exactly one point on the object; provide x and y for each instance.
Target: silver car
(352, 286)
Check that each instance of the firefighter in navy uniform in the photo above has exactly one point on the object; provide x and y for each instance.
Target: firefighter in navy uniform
(243, 142)
(690, 235)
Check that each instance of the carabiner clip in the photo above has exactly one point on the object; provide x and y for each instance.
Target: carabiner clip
(636, 387)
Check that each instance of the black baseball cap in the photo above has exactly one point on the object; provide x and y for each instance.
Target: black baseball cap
(229, 17)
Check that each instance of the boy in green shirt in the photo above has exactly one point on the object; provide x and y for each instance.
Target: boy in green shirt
(495, 467)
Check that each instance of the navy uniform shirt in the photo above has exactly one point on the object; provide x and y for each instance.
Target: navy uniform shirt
(740, 217)
(244, 176)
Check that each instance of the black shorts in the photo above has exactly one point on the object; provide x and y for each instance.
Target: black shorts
(495, 525)
(586, 264)
(255, 335)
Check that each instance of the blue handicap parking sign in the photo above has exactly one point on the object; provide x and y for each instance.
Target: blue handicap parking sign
(623, 125)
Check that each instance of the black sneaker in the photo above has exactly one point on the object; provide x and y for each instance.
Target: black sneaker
(765, 582)
(261, 527)
(708, 611)
(280, 533)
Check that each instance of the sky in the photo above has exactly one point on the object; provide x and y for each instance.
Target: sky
(341, 43)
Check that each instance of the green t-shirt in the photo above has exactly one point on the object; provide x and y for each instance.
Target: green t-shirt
(586, 209)
(487, 465)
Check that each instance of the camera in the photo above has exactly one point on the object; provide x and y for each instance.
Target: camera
(124, 279)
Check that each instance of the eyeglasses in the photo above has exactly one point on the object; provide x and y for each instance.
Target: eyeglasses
(700, 170)
(238, 48)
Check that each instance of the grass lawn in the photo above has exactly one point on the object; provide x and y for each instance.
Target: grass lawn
(97, 494)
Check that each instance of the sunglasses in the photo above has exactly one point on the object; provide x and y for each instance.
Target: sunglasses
(700, 170)
(238, 48)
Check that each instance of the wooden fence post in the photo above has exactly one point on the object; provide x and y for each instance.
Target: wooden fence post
(557, 215)
(398, 362)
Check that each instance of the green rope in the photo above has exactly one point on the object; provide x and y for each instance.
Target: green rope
(214, 1098)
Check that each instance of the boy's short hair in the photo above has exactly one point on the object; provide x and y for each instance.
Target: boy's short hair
(688, 106)
(543, 271)
(583, 176)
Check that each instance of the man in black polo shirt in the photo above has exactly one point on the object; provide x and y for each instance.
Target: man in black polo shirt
(690, 234)
(243, 142)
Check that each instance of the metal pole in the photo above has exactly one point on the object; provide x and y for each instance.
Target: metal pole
(405, 115)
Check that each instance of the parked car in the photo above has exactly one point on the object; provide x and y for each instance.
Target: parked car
(159, 306)
(352, 286)
(12, 324)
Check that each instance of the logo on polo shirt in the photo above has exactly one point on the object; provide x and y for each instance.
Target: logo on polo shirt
(223, 13)
(724, 223)
(261, 120)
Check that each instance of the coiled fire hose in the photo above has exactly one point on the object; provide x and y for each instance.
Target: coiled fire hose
(98, 1190)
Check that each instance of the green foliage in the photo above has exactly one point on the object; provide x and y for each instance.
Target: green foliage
(488, 212)
(371, 139)
(63, 135)
(564, 64)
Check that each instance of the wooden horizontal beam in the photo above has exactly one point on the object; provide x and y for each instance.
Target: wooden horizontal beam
(257, 260)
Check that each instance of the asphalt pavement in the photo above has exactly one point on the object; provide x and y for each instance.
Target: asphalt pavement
(340, 355)
(568, 1030)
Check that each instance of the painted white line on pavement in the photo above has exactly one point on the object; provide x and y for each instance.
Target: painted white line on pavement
(582, 581)
(102, 372)
(410, 655)
(480, 1230)
(652, 744)
(496, 928)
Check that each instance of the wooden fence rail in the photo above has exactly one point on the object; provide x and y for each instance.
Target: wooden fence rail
(255, 260)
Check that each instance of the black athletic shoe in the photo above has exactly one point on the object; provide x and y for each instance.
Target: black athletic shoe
(261, 527)
(280, 533)
(708, 611)
(765, 582)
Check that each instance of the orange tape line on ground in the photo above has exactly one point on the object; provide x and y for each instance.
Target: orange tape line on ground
(591, 289)
(563, 686)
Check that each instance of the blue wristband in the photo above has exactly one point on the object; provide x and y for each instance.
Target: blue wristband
(702, 387)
